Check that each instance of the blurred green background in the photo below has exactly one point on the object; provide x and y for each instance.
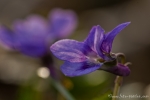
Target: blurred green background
(20, 75)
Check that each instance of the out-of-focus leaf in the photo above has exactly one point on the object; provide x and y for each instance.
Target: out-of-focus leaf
(106, 96)
(28, 93)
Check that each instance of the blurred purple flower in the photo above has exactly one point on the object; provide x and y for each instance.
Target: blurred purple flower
(91, 54)
(32, 36)
(62, 23)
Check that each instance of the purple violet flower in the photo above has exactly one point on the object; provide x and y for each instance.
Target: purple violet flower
(92, 54)
(34, 35)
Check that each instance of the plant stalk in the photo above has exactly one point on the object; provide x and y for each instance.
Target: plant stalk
(119, 79)
(118, 83)
(61, 89)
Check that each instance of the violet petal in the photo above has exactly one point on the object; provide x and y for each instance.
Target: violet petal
(119, 69)
(109, 37)
(33, 26)
(62, 22)
(77, 69)
(31, 35)
(7, 37)
(95, 39)
(70, 50)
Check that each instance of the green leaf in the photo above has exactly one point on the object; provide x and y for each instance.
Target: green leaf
(106, 96)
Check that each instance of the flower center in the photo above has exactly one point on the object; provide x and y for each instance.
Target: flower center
(100, 60)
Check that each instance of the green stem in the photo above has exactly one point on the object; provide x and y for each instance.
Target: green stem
(118, 82)
(119, 79)
(61, 89)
